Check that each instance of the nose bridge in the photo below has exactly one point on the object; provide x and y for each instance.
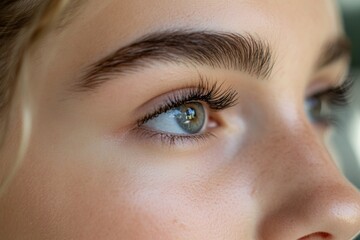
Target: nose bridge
(304, 193)
(297, 150)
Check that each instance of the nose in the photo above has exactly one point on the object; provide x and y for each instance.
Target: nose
(305, 196)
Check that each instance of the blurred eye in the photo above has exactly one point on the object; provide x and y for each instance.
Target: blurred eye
(313, 108)
(189, 118)
(323, 107)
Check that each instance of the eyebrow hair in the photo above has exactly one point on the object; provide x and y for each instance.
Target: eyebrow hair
(334, 50)
(215, 49)
(70, 11)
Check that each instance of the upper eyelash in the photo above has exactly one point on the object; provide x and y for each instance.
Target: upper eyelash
(338, 96)
(219, 98)
(215, 95)
(335, 97)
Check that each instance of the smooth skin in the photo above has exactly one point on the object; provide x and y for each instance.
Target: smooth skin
(266, 175)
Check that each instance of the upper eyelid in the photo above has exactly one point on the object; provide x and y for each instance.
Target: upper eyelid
(215, 95)
(338, 96)
(162, 108)
(346, 85)
(327, 80)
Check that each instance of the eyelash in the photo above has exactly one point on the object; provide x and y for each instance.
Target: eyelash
(338, 96)
(335, 98)
(213, 94)
(218, 98)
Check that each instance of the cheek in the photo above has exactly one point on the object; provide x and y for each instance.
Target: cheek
(191, 196)
(59, 194)
(71, 198)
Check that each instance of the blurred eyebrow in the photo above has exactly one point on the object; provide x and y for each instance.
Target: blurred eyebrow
(335, 50)
(192, 48)
(72, 9)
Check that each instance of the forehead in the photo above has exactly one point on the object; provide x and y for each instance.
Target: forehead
(294, 29)
(304, 23)
(127, 18)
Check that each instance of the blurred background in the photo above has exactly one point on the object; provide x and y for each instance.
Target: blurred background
(345, 143)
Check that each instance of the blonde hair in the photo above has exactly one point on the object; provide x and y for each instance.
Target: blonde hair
(23, 24)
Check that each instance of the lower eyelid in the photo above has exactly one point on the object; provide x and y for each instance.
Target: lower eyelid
(167, 139)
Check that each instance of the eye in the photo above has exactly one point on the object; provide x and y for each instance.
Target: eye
(189, 118)
(188, 114)
(313, 107)
(322, 107)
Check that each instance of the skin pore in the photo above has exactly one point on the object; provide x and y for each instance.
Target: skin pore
(94, 170)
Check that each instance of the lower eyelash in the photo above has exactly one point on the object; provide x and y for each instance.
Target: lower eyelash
(171, 139)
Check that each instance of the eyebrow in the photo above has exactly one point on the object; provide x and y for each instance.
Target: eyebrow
(72, 8)
(215, 49)
(335, 50)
